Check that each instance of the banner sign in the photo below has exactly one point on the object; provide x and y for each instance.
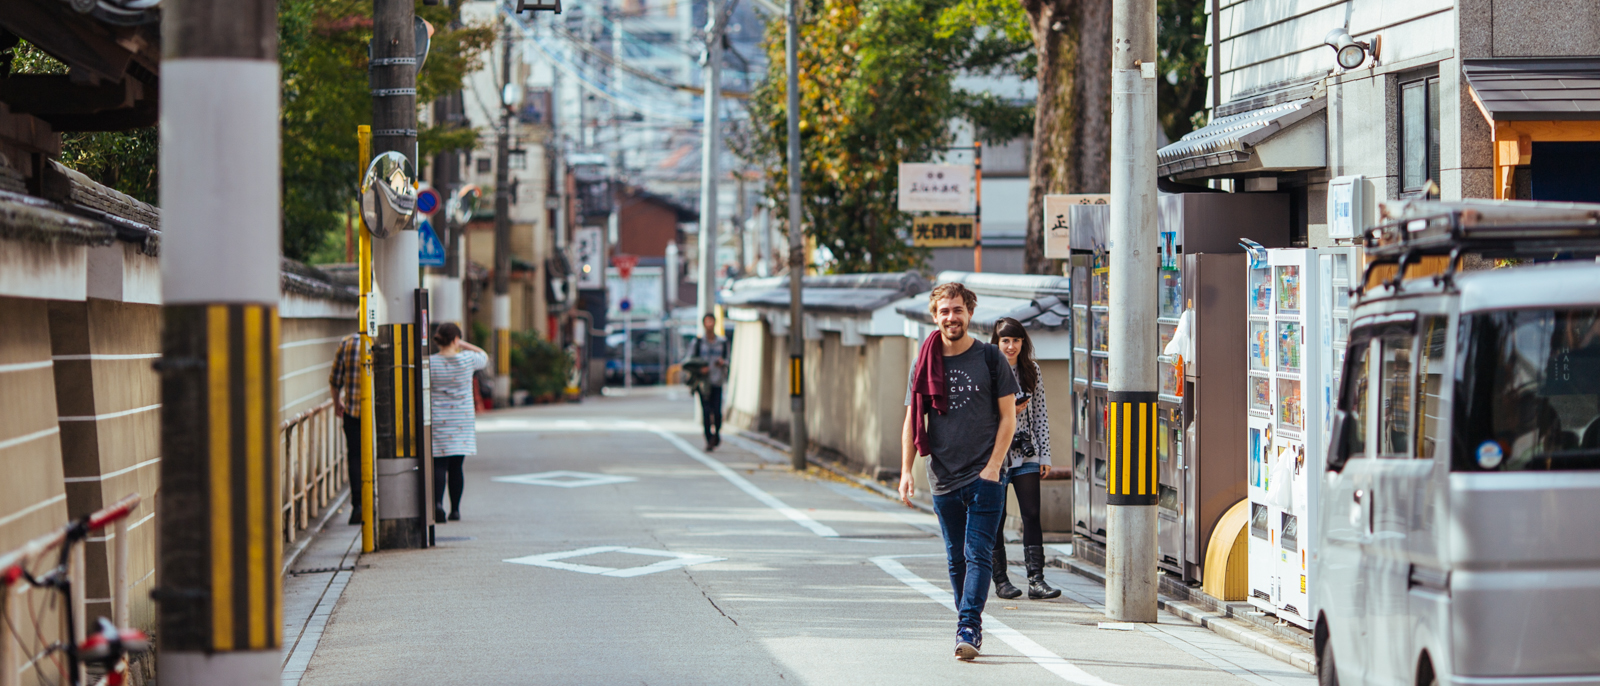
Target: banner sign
(937, 188)
(942, 232)
(1058, 221)
(588, 251)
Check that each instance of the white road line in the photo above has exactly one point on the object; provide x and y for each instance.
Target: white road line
(744, 485)
(993, 627)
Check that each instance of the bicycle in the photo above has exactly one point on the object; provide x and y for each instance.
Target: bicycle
(108, 647)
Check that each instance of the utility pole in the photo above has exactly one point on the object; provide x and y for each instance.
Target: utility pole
(797, 249)
(502, 229)
(447, 299)
(220, 540)
(399, 451)
(1131, 501)
(711, 139)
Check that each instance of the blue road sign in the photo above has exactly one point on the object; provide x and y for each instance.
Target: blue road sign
(427, 201)
(430, 251)
(625, 305)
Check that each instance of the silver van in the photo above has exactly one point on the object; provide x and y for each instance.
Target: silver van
(1458, 537)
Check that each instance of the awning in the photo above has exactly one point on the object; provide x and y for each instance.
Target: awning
(1536, 88)
(1286, 137)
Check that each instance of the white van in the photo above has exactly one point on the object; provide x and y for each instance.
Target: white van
(1459, 528)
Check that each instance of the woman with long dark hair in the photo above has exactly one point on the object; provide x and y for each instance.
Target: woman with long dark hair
(1026, 463)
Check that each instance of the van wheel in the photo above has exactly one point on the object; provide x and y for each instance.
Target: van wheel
(1327, 674)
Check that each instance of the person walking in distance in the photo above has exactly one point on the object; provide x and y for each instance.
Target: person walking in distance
(345, 384)
(455, 433)
(709, 356)
(961, 411)
(1027, 462)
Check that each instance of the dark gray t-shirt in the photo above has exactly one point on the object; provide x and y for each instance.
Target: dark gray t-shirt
(962, 438)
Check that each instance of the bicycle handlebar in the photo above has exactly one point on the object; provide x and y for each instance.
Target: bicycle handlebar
(11, 563)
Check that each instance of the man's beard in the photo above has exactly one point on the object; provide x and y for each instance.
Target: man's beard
(959, 333)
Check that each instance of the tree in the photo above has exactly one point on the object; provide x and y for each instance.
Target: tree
(877, 89)
(322, 48)
(1181, 57)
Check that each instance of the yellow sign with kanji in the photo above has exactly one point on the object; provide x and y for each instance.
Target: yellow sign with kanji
(942, 232)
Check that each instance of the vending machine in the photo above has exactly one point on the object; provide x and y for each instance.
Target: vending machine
(1298, 302)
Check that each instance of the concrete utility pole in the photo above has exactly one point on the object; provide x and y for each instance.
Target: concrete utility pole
(1131, 503)
(447, 298)
(220, 539)
(399, 451)
(797, 249)
(502, 230)
(711, 140)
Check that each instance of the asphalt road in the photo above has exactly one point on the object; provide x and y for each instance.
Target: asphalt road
(643, 560)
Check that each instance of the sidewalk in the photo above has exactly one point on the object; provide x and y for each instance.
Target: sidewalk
(1289, 645)
(312, 586)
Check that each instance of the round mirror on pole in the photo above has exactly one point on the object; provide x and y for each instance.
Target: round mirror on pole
(388, 194)
(464, 204)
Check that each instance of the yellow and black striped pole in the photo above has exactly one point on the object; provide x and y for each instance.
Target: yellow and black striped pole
(220, 597)
(1131, 446)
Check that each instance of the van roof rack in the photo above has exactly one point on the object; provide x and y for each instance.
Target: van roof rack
(1491, 228)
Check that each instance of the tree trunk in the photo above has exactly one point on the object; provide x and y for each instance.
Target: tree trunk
(1054, 167)
(1093, 91)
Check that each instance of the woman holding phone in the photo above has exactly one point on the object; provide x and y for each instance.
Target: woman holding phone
(1026, 463)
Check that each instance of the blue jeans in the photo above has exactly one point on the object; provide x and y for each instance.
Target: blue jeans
(969, 517)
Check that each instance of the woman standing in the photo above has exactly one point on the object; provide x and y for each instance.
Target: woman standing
(455, 434)
(1026, 464)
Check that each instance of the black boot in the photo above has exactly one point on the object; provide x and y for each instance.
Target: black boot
(1033, 557)
(1002, 583)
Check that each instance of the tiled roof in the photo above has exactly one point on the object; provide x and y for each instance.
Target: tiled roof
(1538, 89)
(1228, 140)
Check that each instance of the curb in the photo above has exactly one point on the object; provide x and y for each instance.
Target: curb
(1232, 629)
(303, 539)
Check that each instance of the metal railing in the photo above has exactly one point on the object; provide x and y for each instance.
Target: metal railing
(313, 467)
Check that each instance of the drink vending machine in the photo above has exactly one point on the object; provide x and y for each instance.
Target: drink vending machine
(1298, 305)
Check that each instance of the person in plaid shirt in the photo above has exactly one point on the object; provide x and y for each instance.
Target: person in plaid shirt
(345, 383)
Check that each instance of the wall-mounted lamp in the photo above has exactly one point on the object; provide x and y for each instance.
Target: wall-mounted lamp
(1348, 52)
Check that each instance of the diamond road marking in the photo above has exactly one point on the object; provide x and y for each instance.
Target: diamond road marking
(564, 479)
(673, 561)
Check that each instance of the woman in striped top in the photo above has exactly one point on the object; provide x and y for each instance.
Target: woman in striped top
(1026, 463)
(455, 434)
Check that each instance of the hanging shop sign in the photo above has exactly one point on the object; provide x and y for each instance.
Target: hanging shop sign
(937, 188)
(589, 251)
(1058, 221)
(942, 232)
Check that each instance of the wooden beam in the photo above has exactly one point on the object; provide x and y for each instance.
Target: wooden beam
(83, 45)
(47, 94)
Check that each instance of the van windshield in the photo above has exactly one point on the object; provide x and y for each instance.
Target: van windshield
(1528, 391)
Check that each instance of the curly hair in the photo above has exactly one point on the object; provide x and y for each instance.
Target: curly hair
(951, 290)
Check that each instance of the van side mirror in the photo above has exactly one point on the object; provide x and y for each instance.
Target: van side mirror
(1336, 452)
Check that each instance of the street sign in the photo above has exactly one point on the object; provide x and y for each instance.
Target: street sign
(625, 265)
(428, 201)
(942, 232)
(625, 305)
(587, 249)
(937, 188)
(430, 250)
(1058, 221)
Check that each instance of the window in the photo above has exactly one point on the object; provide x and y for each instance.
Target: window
(1395, 419)
(1353, 403)
(1527, 395)
(484, 165)
(1430, 380)
(1419, 133)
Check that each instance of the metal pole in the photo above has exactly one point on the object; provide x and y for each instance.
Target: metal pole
(397, 461)
(220, 532)
(366, 491)
(977, 206)
(711, 139)
(502, 230)
(1131, 503)
(797, 257)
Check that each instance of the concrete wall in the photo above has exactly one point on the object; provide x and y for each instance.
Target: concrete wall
(33, 498)
(750, 369)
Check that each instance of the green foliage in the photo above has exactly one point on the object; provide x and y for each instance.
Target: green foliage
(1181, 57)
(127, 161)
(877, 89)
(538, 366)
(322, 48)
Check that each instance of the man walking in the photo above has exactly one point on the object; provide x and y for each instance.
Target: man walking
(961, 410)
(708, 355)
(345, 383)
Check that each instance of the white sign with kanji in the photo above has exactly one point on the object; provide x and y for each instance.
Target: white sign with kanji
(937, 188)
(1057, 221)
